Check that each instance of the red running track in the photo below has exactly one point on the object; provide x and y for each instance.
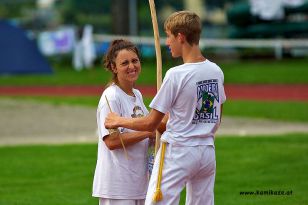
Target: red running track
(234, 92)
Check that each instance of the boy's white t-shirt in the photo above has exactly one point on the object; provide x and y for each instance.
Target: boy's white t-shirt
(192, 93)
(116, 177)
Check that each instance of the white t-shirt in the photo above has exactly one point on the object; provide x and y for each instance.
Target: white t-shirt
(115, 176)
(192, 93)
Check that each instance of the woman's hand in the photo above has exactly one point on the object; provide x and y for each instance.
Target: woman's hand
(152, 135)
(112, 121)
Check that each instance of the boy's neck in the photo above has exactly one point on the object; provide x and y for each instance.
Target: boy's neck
(192, 54)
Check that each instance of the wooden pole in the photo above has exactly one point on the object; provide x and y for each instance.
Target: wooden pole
(116, 130)
(158, 59)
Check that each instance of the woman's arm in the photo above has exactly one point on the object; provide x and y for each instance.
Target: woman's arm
(147, 123)
(113, 140)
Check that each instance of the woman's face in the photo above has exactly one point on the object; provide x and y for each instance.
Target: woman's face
(127, 66)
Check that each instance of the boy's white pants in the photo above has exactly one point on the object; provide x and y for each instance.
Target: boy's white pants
(194, 167)
(103, 201)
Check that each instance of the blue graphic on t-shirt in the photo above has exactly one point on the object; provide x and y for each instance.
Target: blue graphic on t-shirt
(207, 94)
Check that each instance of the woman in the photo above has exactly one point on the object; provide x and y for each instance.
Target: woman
(121, 176)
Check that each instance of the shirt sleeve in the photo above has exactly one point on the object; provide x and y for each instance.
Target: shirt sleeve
(166, 95)
(222, 90)
(140, 98)
(103, 111)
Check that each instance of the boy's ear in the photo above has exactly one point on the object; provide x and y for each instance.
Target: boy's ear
(182, 37)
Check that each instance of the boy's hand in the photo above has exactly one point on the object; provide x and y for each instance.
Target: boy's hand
(112, 121)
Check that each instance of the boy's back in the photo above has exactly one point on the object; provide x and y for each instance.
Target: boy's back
(192, 93)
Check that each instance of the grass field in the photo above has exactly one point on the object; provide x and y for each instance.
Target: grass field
(63, 174)
(287, 71)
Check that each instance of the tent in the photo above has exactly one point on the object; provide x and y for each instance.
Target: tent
(18, 53)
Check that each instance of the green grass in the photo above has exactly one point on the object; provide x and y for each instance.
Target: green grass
(47, 175)
(268, 163)
(90, 101)
(66, 75)
(61, 76)
(281, 111)
(286, 71)
(63, 174)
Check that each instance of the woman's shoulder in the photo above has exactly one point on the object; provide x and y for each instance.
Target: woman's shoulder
(111, 91)
(137, 92)
(110, 94)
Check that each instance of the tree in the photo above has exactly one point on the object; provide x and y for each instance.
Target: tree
(120, 17)
(94, 12)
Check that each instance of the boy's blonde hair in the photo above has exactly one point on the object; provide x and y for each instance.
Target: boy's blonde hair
(185, 22)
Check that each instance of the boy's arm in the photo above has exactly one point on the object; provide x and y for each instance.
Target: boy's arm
(113, 140)
(147, 123)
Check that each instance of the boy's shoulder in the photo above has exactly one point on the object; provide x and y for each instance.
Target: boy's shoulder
(174, 71)
(177, 69)
(189, 68)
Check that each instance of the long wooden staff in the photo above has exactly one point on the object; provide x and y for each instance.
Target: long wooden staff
(158, 59)
(158, 196)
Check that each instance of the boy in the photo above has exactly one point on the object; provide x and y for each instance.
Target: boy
(192, 94)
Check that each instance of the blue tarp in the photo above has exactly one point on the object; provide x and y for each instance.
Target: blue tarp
(18, 53)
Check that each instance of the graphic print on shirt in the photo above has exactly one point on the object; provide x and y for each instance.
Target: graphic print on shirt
(137, 112)
(207, 94)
